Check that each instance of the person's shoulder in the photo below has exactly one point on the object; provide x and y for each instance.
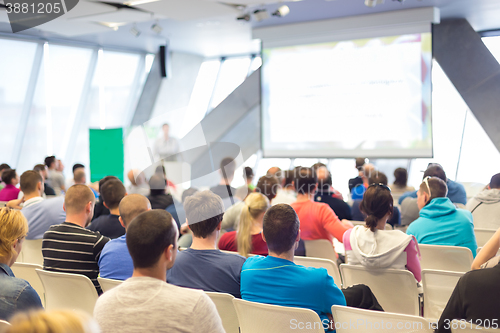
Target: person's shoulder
(252, 262)
(232, 257)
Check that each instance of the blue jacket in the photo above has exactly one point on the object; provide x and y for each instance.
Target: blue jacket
(456, 193)
(441, 223)
(15, 294)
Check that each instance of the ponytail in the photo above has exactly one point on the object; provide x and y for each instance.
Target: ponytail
(255, 204)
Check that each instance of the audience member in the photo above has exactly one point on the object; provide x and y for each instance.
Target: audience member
(138, 183)
(10, 191)
(54, 321)
(69, 247)
(359, 164)
(400, 185)
(72, 181)
(487, 257)
(318, 221)
(357, 215)
(485, 206)
(203, 266)
(248, 176)
(286, 192)
(373, 246)
(161, 200)
(440, 222)
(248, 238)
(15, 294)
(166, 148)
(224, 189)
(100, 209)
(187, 238)
(41, 213)
(112, 192)
(145, 302)
(42, 169)
(55, 178)
(79, 177)
(326, 194)
(3, 167)
(115, 261)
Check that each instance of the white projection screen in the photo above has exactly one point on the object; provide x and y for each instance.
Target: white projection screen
(364, 97)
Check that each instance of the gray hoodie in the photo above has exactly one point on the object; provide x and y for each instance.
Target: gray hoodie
(485, 208)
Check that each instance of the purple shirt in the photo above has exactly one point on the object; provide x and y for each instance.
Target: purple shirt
(9, 192)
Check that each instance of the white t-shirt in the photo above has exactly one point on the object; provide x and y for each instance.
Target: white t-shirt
(164, 149)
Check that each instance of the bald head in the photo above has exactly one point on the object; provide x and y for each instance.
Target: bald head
(131, 206)
(322, 173)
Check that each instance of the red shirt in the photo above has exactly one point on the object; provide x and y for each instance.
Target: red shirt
(228, 243)
(318, 221)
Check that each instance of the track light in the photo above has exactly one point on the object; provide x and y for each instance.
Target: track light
(282, 11)
(260, 14)
(157, 28)
(245, 17)
(134, 31)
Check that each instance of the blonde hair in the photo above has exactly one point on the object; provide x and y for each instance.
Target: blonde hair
(59, 321)
(255, 204)
(13, 226)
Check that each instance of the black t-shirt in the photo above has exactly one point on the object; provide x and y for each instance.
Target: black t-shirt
(353, 182)
(108, 225)
(48, 190)
(340, 207)
(160, 201)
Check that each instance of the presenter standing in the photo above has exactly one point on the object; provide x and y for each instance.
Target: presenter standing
(166, 147)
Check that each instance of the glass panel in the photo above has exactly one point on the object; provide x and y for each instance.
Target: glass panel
(267, 163)
(232, 73)
(256, 63)
(15, 69)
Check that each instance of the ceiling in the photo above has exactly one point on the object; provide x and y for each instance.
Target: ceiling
(209, 28)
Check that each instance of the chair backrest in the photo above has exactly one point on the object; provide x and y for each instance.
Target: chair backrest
(224, 304)
(445, 258)
(438, 287)
(482, 236)
(4, 325)
(32, 251)
(458, 326)
(28, 272)
(349, 319)
(320, 248)
(68, 291)
(3, 204)
(330, 266)
(265, 318)
(107, 284)
(395, 289)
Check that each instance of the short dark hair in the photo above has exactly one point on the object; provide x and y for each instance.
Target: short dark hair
(248, 172)
(360, 161)
(305, 180)
(77, 197)
(280, 227)
(378, 178)
(495, 181)
(227, 167)
(148, 235)
(101, 183)
(39, 167)
(189, 192)
(113, 192)
(437, 186)
(401, 175)
(268, 185)
(377, 202)
(157, 184)
(8, 175)
(49, 160)
(29, 181)
(204, 211)
(288, 177)
(77, 166)
(435, 170)
(4, 166)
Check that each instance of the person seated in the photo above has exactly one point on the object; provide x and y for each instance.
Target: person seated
(485, 206)
(324, 175)
(100, 209)
(318, 221)
(487, 257)
(42, 169)
(224, 189)
(358, 180)
(203, 266)
(357, 215)
(15, 294)
(286, 192)
(160, 199)
(55, 176)
(400, 185)
(372, 245)
(115, 261)
(10, 191)
(69, 247)
(72, 181)
(146, 302)
(53, 321)
(440, 222)
(3, 166)
(328, 195)
(138, 183)
(41, 213)
(248, 238)
(112, 192)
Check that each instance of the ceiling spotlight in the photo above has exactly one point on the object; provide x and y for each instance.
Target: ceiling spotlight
(260, 14)
(157, 28)
(134, 31)
(245, 17)
(282, 11)
(373, 3)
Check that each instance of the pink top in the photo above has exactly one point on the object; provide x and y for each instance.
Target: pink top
(412, 255)
(9, 192)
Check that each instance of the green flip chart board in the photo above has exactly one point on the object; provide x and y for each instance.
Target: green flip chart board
(106, 153)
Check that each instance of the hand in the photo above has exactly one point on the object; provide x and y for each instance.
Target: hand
(184, 229)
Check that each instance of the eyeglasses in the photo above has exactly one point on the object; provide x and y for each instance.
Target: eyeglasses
(380, 185)
(426, 181)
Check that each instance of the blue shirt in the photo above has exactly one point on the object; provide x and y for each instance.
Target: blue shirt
(115, 261)
(41, 215)
(441, 223)
(15, 294)
(209, 270)
(456, 193)
(278, 281)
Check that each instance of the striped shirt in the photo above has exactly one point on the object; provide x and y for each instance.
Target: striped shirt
(69, 248)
